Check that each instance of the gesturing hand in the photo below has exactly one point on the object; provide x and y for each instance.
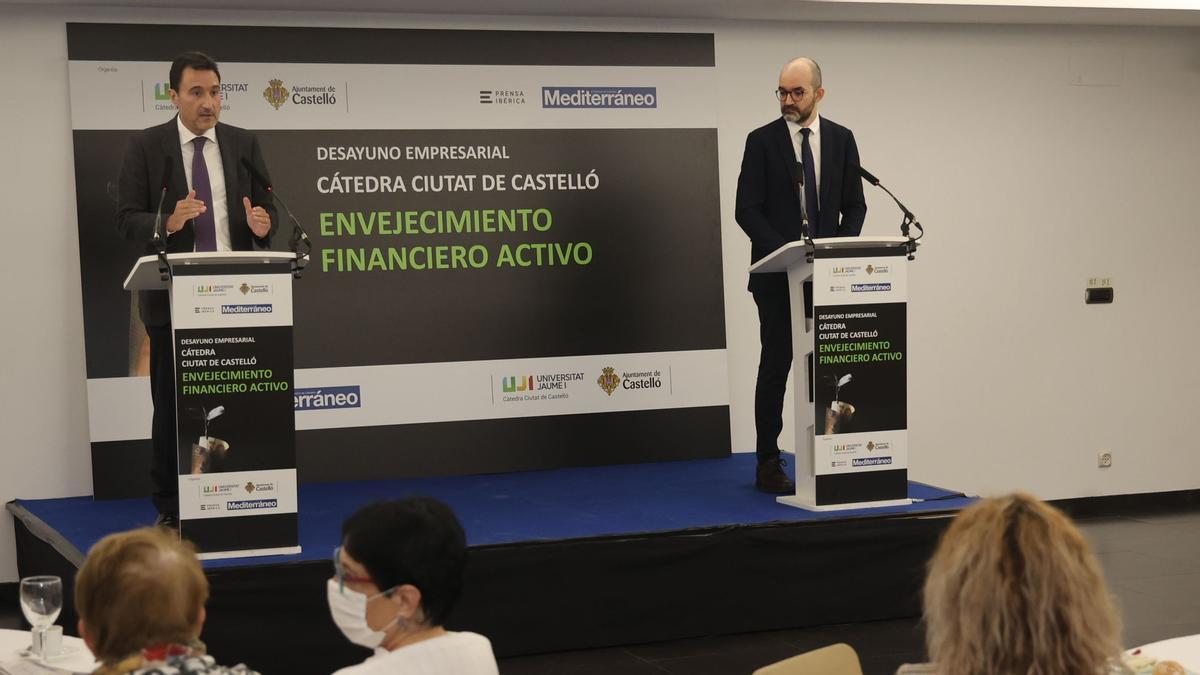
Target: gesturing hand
(185, 209)
(257, 218)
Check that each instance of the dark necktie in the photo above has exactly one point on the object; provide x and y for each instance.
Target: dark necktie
(810, 182)
(205, 224)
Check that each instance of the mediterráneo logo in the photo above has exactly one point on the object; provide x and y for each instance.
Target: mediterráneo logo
(870, 461)
(328, 398)
(599, 97)
(247, 309)
(252, 504)
(870, 288)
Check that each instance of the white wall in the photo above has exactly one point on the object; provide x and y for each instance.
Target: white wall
(43, 408)
(1028, 186)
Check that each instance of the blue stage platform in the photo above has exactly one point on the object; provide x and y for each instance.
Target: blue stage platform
(533, 506)
(687, 549)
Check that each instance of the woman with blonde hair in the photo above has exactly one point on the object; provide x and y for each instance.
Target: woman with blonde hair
(140, 597)
(1014, 589)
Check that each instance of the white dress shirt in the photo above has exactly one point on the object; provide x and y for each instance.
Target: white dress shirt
(814, 142)
(216, 178)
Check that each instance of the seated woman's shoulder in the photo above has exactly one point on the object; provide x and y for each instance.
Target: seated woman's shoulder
(193, 664)
(917, 669)
(469, 639)
(931, 669)
(472, 651)
(452, 653)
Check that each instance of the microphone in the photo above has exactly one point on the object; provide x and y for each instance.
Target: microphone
(804, 225)
(298, 233)
(167, 171)
(909, 218)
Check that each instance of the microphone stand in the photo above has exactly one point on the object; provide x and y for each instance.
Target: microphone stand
(805, 228)
(299, 236)
(909, 219)
(160, 245)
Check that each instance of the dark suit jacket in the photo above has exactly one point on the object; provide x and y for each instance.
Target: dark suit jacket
(141, 184)
(768, 198)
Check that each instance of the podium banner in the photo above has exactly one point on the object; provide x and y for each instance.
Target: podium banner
(234, 409)
(860, 379)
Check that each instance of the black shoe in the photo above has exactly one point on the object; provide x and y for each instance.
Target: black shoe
(772, 479)
(168, 520)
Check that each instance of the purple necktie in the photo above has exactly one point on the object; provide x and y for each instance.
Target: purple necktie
(205, 224)
(810, 184)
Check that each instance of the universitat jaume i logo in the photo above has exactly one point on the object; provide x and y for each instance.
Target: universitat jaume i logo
(609, 381)
(276, 94)
(511, 384)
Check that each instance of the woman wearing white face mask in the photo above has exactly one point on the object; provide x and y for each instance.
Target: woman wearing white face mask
(398, 574)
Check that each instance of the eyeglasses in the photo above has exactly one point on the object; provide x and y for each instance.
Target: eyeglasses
(339, 572)
(797, 94)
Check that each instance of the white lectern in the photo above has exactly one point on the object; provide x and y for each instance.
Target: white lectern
(231, 318)
(851, 428)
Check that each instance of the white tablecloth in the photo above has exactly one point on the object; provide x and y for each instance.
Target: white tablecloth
(76, 656)
(1185, 650)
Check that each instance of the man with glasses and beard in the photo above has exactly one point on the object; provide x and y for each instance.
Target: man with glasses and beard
(799, 145)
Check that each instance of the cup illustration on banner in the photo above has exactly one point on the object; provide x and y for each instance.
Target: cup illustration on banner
(208, 453)
(839, 413)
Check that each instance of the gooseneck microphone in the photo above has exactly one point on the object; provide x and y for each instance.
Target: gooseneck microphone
(298, 234)
(168, 171)
(160, 239)
(909, 218)
(805, 229)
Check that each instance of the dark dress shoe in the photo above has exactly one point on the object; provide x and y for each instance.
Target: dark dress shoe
(168, 520)
(772, 479)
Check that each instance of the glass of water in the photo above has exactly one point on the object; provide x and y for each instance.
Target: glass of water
(41, 603)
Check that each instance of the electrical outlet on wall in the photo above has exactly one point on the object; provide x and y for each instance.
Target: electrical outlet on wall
(1104, 459)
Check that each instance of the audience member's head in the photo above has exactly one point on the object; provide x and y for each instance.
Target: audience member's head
(399, 570)
(137, 590)
(1014, 588)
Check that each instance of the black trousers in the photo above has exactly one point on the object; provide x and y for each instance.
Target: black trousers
(164, 466)
(774, 362)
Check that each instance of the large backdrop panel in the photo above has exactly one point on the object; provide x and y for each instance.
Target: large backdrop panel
(517, 257)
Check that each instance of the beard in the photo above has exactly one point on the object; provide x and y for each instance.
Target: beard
(795, 114)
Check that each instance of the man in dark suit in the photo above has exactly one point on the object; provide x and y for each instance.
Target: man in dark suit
(211, 205)
(799, 144)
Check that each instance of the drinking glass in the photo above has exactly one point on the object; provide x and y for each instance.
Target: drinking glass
(41, 603)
